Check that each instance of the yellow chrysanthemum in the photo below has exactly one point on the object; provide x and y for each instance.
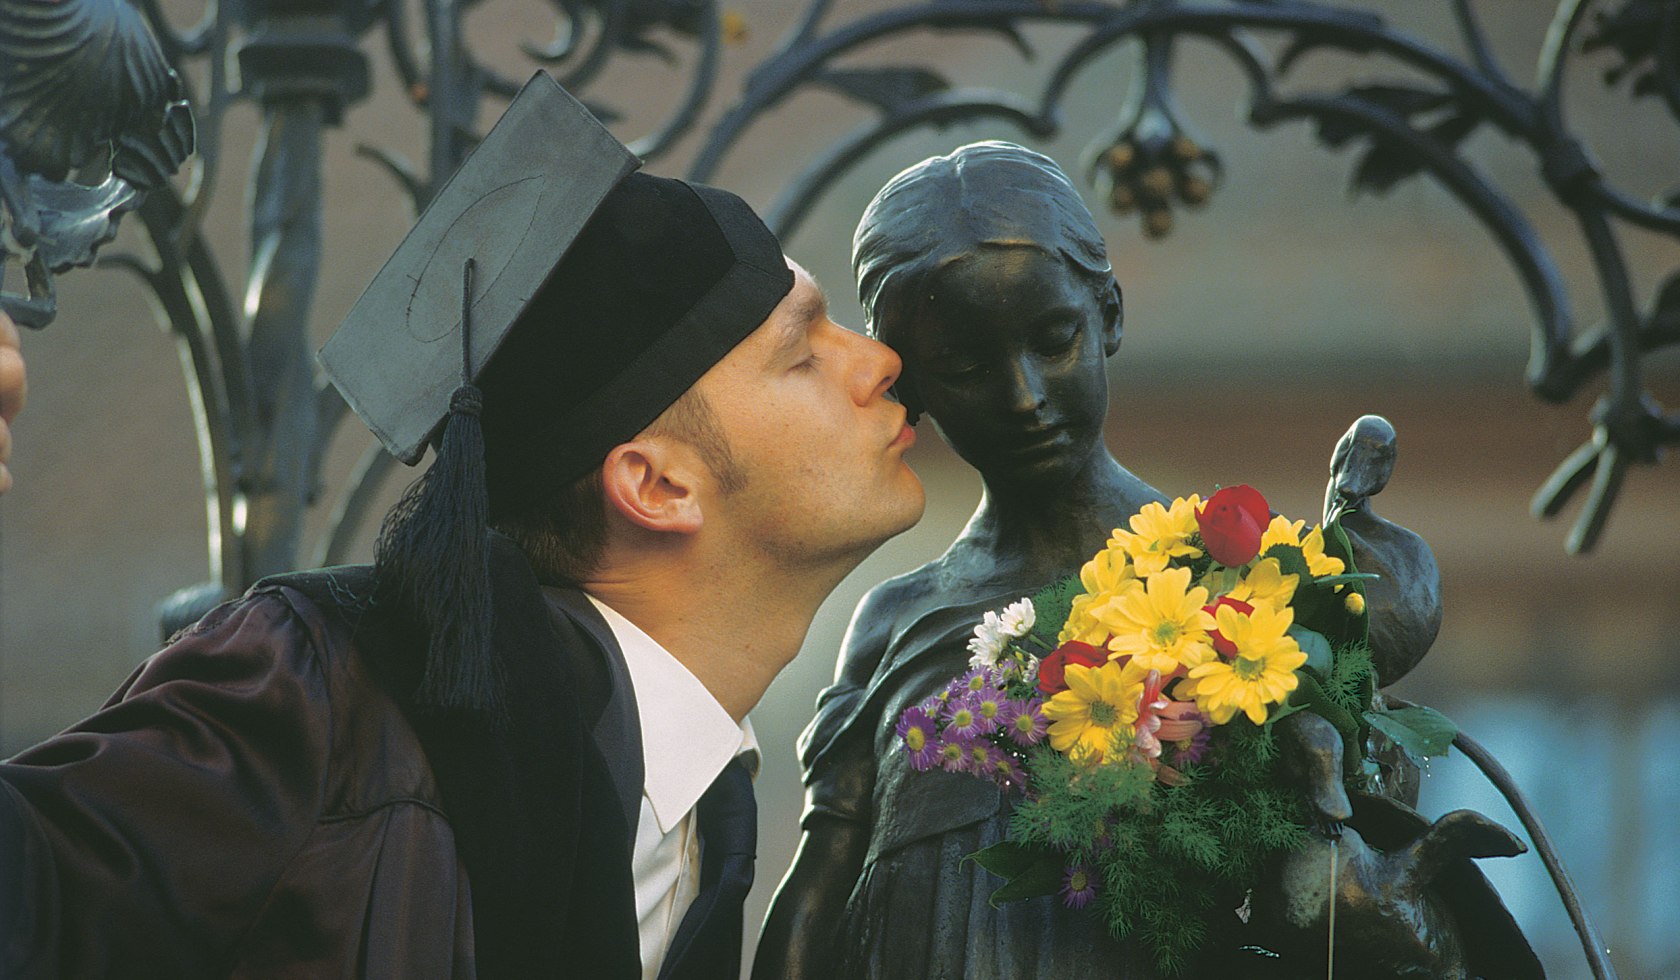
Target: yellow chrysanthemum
(1159, 534)
(1319, 563)
(1104, 577)
(1284, 531)
(1261, 674)
(1265, 584)
(1161, 625)
(1099, 703)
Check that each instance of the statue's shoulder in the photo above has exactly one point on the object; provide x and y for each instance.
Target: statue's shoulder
(884, 609)
(892, 609)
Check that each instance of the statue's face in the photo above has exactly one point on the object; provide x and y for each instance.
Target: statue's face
(1008, 349)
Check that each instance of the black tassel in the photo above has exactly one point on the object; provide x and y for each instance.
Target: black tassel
(432, 560)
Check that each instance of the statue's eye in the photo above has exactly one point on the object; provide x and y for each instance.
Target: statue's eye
(1056, 337)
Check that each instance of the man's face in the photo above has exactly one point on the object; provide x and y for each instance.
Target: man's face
(803, 406)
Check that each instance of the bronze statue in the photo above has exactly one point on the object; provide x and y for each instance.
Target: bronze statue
(986, 272)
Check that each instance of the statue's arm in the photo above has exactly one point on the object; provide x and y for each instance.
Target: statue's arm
(803, 928)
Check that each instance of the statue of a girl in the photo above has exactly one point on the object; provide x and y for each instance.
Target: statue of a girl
(986, 272)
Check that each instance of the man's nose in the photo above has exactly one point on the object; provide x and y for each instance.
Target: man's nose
(876, 367)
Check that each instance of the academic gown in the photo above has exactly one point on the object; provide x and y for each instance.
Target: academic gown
(260, 799)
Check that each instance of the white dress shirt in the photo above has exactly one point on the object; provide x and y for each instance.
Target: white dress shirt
(687, 739)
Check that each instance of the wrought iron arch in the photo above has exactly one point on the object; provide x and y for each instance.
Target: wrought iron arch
(1152, 164)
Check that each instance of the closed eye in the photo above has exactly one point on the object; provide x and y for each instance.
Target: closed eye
(1057, 338)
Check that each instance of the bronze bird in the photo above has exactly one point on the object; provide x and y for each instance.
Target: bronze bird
(1360, 466)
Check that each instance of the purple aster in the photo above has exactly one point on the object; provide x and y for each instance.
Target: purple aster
(990, 704)
(1190, 751)
(953, 751)
(963, 718)
(932, 704)
(975, 681)
(983, 758)
(1079, 885)
(921, 738)
(1008, 773)
(1024, 721)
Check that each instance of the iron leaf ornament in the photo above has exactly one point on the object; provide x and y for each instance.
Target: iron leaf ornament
(91, 118)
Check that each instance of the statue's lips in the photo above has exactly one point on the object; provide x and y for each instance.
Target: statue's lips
(1037, 440)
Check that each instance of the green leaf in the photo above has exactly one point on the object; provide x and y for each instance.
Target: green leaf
(1040, 880)
(1316, 647)
(1355, 629)
(1031, 870)
(1311, 695)
(1008, 859)
(1310, 602)
(1290, 560)
(1050, 608)
(1284, 710)
(1220, 582)
(1343, 579)
(1420, 732)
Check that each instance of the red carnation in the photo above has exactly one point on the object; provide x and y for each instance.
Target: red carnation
(1232, 522)
(1055, 664)
(1225, 648)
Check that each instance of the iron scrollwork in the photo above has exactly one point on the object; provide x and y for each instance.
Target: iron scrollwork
(1151, 163)
(263, 415)
(91, 119)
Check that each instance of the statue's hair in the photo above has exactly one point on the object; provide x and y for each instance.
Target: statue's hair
(980, 196)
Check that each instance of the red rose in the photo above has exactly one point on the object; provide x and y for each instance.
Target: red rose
(1225, 648)
(1232, 522)
(1053, 667)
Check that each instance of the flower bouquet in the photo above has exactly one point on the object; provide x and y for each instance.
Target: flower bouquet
(1132, 711)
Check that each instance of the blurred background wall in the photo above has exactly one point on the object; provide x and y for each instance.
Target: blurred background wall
(1256, 332)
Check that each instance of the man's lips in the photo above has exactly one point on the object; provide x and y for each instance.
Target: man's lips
(906, 436)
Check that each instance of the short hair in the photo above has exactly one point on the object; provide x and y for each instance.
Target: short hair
(983, 195)
(564, 535)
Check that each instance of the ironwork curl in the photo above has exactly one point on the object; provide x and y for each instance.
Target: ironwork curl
(1408, 130)
(263, 417)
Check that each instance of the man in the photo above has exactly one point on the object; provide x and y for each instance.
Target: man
(524, 755)
(13, 389)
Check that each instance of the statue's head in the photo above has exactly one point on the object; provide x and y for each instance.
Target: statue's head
(985, 271)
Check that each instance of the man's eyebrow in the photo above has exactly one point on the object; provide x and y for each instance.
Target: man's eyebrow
(810, 308)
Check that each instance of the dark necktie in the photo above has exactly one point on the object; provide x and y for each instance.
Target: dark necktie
(707, 945)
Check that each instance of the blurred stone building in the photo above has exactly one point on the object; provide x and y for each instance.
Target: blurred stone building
(1256, 332)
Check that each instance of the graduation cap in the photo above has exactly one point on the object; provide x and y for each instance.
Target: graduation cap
(549, 304)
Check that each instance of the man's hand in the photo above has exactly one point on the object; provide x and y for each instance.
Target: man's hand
(14, 388)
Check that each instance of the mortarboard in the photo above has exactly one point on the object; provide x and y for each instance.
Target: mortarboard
(548, 305)
(515, 206)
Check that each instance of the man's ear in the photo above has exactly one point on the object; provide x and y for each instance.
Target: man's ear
(1114, 316)
(650, 486)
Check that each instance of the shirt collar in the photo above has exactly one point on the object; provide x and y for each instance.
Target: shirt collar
(687, 737)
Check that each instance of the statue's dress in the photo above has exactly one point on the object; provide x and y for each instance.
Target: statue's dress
(919, 910)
